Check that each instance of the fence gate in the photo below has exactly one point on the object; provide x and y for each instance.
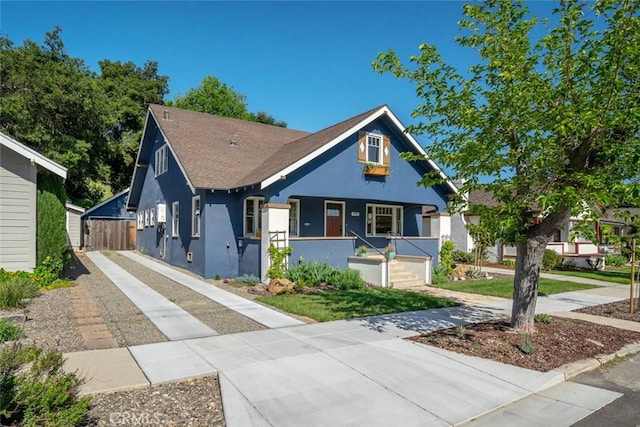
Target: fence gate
(109, 235)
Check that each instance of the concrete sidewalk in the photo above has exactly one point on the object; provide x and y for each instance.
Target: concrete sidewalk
(358, 372)
(575, 279)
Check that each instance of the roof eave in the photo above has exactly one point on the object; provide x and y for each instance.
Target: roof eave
(33, 156)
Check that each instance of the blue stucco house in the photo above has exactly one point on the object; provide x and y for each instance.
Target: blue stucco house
(113, 208)
(212, 193)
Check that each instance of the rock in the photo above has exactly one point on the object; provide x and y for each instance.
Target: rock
(279, 286)
(460, 271)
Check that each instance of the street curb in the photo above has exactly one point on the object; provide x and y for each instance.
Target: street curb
(573, 369)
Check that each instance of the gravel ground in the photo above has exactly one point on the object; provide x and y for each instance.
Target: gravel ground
(52, 324)
(212, 314)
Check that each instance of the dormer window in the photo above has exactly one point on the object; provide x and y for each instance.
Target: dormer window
(374, 148)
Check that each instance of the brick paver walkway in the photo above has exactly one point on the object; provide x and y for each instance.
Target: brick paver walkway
(94, 331)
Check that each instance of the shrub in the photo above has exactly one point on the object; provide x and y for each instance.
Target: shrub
(508, 262)
(14, 290)
(461, 257)
(248, 279)
(446, 258)
(440, 275)
(346, 279)
(278, 262)
(550, 259)
(527, 346)
(51, 229)
(542, 318)
(9, 331)
(615, 260)
(36, 390)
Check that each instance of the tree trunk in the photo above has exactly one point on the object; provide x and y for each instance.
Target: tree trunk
(525, 282)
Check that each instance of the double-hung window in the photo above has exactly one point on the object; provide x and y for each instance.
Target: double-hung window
(175, 219)
(382, 219)
(374, 148)
(252, 215)
(146, 218)
(140, 220)
(195, 216)
(294, 217)
(152, 217)
(162, 159)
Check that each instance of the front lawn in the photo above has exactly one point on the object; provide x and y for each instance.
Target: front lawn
(338, 305)
(504, 287)
(617, 276)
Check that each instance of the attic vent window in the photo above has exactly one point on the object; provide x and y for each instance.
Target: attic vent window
(166, 114)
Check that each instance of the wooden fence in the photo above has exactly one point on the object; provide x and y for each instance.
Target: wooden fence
(109, 235)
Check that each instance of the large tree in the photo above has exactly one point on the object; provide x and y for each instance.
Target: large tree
(551, 122)
(214, 97)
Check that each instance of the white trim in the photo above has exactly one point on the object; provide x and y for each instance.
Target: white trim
(382, 111)
(324, 215)
(256, 214)
(33, 155)
(295, 232)
(175, 219)
(166, 140)
(73, 207)
(152, 217)
(380, 139)
(161, 158)
(394, 219)
(194, 215)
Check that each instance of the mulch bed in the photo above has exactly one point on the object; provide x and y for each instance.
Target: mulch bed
(617, 310)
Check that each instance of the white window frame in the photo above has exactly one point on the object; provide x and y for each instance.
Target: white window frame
(295, 209)
(175, 219)
(256, 213)
(152, 217)
(397, 219)
(162, 160)
(380, 140)
(344, 215)
(195, 216)
(140, 220)
(146, 218)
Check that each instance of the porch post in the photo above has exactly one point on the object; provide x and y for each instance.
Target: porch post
(275, 217)
(441, 227)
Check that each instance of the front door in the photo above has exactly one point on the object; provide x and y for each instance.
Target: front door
(334, 219)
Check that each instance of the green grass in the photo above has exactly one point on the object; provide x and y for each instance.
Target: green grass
(614, 276)
(504, 287)
(337, 305)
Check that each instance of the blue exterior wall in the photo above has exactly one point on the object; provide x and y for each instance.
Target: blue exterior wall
(335, 175)
(167, 188)
(113, 209)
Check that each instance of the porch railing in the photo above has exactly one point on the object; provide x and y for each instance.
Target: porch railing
(368, 243)
(393, 235)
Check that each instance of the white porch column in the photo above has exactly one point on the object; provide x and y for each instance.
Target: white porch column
(275, 217)
(441, 227)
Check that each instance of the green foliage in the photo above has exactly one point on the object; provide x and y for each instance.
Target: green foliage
(363, 250)
(9, 331)
(51, 230)
(508, 262)
(215, 97)
(440, 275)
(217, 277)
(36, 390)
(542, 318)
(460, 257)
(615, 260)
(278, 262)
(446, 256)
(248, 279)
(550, 259)
(346, 279)
(14, 290)
(316, 273)
(337, 305)
(553, 120)
(526, 346)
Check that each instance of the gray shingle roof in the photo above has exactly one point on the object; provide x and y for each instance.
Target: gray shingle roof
(224, 153)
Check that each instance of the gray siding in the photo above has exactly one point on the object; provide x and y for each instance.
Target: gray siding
(17, 211)
(74, 229)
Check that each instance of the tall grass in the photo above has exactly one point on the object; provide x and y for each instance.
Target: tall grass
(14, 290)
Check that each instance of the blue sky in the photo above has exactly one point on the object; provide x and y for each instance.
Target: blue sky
(307, 63)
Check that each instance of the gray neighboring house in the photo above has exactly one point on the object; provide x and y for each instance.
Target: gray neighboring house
(18, 178)
(74, 226)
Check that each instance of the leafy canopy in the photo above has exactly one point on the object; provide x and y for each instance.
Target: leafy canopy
(552, 123)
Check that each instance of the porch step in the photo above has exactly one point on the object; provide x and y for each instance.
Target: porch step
(400, 278)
